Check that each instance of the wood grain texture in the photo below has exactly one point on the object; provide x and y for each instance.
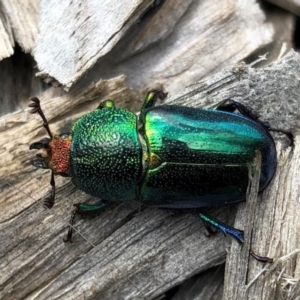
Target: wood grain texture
(174, 43)
(284, 24)
(6, 39)
(91, 28)
(200, 38)
(18, 24)
(133, 252)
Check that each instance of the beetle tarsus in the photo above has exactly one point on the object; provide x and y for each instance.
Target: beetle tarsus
(85, 209)
(226, 229)
(69, 237)
(262, 259)
(49, 202)
(230, 105)
(209, 230)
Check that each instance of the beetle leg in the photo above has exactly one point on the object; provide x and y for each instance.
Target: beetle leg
(106, 103)
(84, 209)
(230, 105)
(209, 230)
(226, 229)
(263, 259)
(150, 101)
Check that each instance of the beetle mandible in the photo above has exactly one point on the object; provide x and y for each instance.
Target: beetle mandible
(170, 156)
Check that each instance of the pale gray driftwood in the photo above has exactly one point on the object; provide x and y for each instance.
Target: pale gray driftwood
(133, 252)
(177, 54)
(175, 44)
(18, 24)
(74, 35)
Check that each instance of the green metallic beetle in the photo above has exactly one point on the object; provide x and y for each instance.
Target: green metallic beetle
(170, 156)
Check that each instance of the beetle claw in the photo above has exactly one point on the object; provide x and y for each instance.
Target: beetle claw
(69, 237)
(263, 259)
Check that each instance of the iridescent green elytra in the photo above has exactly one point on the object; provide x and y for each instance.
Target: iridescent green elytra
(171, 156)
(204, 156)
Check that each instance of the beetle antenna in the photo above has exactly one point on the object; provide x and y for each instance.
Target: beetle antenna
(49, 202)
(36, 108)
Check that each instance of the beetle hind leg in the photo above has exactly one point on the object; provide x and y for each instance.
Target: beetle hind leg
(226, 229)
(229, 105)
(84, 209)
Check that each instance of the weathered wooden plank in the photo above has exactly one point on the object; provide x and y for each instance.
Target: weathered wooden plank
(284, 24)
(6, 40)
(223, 31)
(128, 252)
(19, 20)
(91, 29)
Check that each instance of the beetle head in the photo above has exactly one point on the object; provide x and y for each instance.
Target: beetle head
(54, 154)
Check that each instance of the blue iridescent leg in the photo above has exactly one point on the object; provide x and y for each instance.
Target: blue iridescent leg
(236, 233)
(226, 229)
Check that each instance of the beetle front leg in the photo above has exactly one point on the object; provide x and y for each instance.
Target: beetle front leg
(84, 209)
(106, 103)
